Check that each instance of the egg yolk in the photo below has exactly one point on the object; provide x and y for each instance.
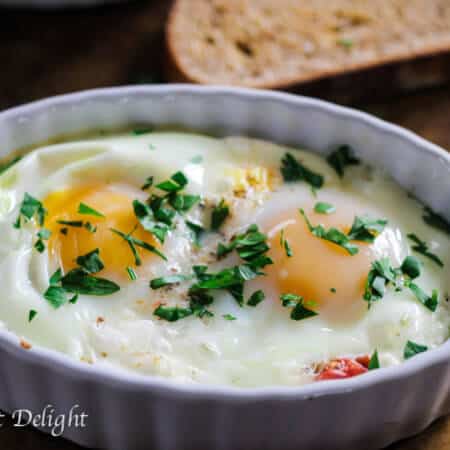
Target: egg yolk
(323, 273)
(117, 209)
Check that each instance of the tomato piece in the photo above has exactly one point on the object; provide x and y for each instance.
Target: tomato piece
(344, 368)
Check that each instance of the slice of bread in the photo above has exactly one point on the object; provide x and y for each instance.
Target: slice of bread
(280, 43)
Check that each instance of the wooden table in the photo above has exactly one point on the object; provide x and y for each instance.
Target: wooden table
(49, 53)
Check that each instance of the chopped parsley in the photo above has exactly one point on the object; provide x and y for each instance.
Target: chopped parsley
(219, 215)
(431, 302)
(43, 235)
(196, 230)
(79, 281)
(158, 283)
(31, 315)
(411, 267)
(365, 229)
(31, 208)
(5, 166)
(256, 298)
(87, 210)
(91, 262)
(324, 208)
(332, 235)
(382, 274)
(436, 220)
(285, 244)
(147, 218)
(412, 349)
(251, 246)
(134, 242)
(296, 302)
(293, 170)
(229, 317)
(172, 313)
(77, 224)
(148, 183)
(140, 131)
(157, 214)
(333, 290)
(71, 223)
(131, 274)
(422, 248)
(374, 362)
(341, 158)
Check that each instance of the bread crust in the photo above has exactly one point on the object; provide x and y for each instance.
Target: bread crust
(178, 72)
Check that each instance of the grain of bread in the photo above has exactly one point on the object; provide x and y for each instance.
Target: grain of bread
(279, 43)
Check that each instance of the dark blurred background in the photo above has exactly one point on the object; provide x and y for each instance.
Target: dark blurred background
(45, 53)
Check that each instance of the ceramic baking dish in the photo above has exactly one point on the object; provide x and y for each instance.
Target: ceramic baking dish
(133, 412)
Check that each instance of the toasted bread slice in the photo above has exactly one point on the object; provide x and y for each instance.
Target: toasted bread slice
(280, 43)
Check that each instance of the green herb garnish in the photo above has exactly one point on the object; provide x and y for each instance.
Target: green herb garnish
(380, 275)
(436, 220)
(176, 183)
(365, 229)
(229, 317)
(296, 302)
(341, 158)
(87, 210)
(5, 166)
(172, 313)
(374, 362)
(256, 298)
(285, 244)
(79, 281)
(77, 224)
(133, 242)
(411, 267)
(293, 170)
(91, 262)
(197, 230)
(148, 183)
(422, 248)
(332, 235)
(71, 223)
(219, 215)
(149, 222)
(43, 235)
(31, 208)
(412, 349)
(324, 208)
(431, 302)
(140, 131)
(31, 315)
(131, 274)
(158, 283)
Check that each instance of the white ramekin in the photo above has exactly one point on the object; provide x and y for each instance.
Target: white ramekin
(128, 411)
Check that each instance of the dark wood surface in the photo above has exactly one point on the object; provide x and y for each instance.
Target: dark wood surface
(49, 53)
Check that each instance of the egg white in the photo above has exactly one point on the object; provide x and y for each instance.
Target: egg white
(262, 346)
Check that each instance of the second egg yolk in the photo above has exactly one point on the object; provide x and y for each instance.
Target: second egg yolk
(320, 271)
